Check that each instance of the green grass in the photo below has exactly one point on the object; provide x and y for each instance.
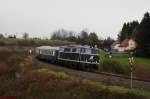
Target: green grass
(102, 55)
(124, 59)
(8, 40)
(121, 63)
(122, 90)
(121, 59)
(127, 90)
(137, 60)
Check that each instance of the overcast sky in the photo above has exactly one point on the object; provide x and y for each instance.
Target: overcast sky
(42, 17)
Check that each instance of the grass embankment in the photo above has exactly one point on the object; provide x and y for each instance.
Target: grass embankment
(137, 60)
(36, 82)
(124, 59)
(120, 64)
(33, 42)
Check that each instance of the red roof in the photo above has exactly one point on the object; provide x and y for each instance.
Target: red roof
(124, 43)
(114, 43)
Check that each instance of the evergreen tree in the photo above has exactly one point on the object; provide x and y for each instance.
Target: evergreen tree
(127, 30)
(107, 43)
(142, 34)
(122, 34)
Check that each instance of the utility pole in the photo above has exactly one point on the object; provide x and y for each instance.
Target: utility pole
(131, 61)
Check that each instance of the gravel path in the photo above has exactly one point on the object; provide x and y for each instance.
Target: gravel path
(107, 80)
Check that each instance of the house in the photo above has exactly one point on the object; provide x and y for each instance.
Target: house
(126, 45)
(115, 45)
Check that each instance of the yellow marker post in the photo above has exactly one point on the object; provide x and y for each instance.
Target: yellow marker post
(131, 61)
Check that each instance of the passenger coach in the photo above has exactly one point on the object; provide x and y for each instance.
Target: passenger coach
(47, 53)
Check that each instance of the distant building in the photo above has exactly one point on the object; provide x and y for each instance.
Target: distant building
(125, 45)
(115, 45)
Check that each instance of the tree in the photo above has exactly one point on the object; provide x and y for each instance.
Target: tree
(142, 34)
(14, 36)
(25, 36)
(63, 34)
(71, 36)
(107, 43)
(93, 39)
(2, 36)
(83, 38)
(127, 30)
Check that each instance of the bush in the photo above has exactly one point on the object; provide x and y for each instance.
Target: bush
(112, 66)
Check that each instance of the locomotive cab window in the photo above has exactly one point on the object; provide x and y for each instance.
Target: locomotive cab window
(94, 51)
(67, 50)
(88, 51)
(74, 50)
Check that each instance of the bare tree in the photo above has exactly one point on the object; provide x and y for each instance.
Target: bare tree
(25, 36)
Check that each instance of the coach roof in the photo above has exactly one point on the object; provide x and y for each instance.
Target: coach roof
(77, 46)
(48, 47)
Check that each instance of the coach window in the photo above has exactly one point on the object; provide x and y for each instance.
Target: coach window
(40, 52)
(61, 49)
(46, 51)
(83, 50)
(51, 52)
(67, 50)
(74, 50)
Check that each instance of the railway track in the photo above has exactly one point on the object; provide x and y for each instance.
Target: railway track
(121, 76)
(103, 77)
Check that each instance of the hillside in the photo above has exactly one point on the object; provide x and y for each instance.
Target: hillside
(22, 77)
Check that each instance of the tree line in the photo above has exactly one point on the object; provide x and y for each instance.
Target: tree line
(140, 32)
(9, 36)
(83, 38)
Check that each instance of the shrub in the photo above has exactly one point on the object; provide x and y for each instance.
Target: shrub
(4, 55)
(112, 66)
(3, 69)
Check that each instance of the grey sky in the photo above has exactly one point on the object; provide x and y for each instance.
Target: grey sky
(42, 17)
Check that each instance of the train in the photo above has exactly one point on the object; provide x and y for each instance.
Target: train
(75, 56)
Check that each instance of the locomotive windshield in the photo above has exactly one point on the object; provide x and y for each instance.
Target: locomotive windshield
(83, 50)
(94, 51)
(74, 50)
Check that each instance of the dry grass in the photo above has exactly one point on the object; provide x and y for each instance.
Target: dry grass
(35, 82)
